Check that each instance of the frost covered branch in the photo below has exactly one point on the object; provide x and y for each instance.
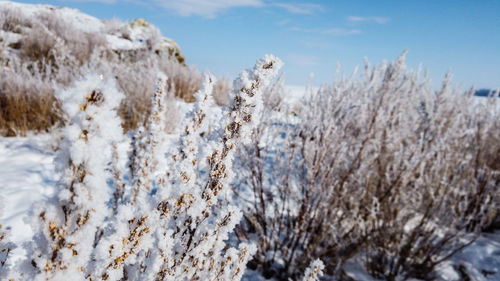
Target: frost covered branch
(163, 223)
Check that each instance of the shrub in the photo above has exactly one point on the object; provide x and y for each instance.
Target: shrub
(66, 227)
(79, 44)
(38, 44)
(135, 81)
(378, 170)
(26, 104)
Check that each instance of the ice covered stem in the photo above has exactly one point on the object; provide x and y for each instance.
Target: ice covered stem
(246, 104)
(314, 271)
(190, 138)
(200, 237)
(69, 224)
(147, 158)
(145, 242)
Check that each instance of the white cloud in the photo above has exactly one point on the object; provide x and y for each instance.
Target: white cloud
(205, 8)
(283, 22)
(317, 45)
(379, 20)
(328, 31)
(299, 8)
(211, 8)
(340, 31)
(98, 1)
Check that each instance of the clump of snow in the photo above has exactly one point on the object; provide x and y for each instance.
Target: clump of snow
(314, 271)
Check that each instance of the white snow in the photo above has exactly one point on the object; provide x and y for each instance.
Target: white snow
(9, 37)
(118, 43)
(26, 176)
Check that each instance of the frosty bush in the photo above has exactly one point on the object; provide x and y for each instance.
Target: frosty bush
(178, 234)
(379, 170)
(160, 220)
(68, 226)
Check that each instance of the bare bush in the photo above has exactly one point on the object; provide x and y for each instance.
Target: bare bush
(379, 169)
(135, 81)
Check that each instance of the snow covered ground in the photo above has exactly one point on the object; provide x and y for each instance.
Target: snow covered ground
(26, 176)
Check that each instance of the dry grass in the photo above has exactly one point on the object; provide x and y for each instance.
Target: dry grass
(184, 81)
(222, 88)
(38, 44)
(26, 105)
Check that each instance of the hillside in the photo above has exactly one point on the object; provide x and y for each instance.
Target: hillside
(43, 48)
(18, 20)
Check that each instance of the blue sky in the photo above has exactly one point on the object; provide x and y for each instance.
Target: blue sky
(225, 36)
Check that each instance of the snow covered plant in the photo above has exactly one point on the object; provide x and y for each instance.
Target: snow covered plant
(314, 271)
(170, 228)
(68, 225)
(376, 169)
(161, 221)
